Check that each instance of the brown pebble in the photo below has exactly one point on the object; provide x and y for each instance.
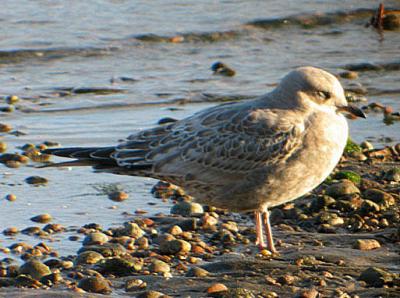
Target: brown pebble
(3, 147)
(10, 231)
(366, 244)
(310, 293)
(118, 196)
(13, 164)
(11, 197)
(217, 288)
(5, 128)
(42, 218)
(350, 75)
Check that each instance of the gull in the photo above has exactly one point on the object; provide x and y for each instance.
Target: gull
(241, 156)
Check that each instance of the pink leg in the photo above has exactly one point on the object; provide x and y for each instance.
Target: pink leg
(259, 230)
(268, 232)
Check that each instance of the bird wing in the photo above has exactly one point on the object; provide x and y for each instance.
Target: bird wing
(233, 139)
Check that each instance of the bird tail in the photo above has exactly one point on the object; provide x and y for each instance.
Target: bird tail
(84, 156)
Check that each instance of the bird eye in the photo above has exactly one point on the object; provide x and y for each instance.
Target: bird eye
(324, 95)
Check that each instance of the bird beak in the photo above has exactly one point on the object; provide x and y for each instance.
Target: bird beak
(353, 111)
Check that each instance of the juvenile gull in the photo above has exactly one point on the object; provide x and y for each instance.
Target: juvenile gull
(243, 156)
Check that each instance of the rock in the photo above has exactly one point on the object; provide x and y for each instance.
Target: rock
(175, 247)
(392, 175)
(350, 75)
(380, 197)
(366, 244)
(131, 229)
(106, 250)
(175, 230)
(230, 226)
(217, 288)
(3, 147)
(120, 267)
(321, 202)
(369, 206)
(24, 281)
(158, 266)
(286, 279)
(35, 269)
(88, 257)
(36, 180)
(351, 147)
(95, 284)
(367, 145)
(42, 218)
(187, 208)
(118, 196)
(11, 99)
(220, 68)
(95, 238)
(349, 175)
(310, 293)
(342, 188)
(151, 294)
(4, 128)
(10, 231)
(166, 120)
(134, 284)
(51, 279)
(197, 272)
(376, 277)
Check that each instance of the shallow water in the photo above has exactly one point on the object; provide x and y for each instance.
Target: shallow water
(50, 49)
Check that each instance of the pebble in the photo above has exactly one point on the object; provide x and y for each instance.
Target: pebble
(217, 288)
(158, 266)
(366, 244)
(197, 272)
(88, 257)
(95, 238)
(11, 99)
(134, 284)
(106, 250)
(120, 267)
(175, 230)
(349, 175)
(366, 145)
(10, 231)
(42, 218)
(187, 209)
(151, 294)
(350, 75)
(35, 269)
(3, 147)
(369, 206)
(36, 180)
(118, 196)
(95, 284)
(11, 197)
(286, 279)
(342, 188)
(376, 277)
(310, 293)
(51, 279)
(392, 175)
(173, 247)
(4, 128)
(220, 68)
(131, 229)
(383, 199)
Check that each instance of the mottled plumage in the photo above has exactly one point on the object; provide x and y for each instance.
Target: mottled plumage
(241, 156)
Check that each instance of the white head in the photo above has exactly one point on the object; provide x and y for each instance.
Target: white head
(310, 86)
